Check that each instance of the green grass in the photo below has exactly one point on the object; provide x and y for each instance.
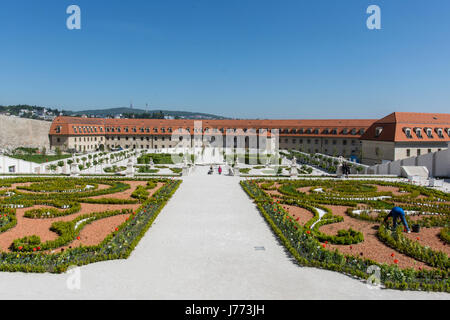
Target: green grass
(39, 158)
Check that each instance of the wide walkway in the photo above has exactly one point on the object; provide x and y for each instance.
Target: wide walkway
(209, 242)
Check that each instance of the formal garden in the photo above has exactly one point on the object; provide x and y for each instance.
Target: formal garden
(338, 225)
(49, 224)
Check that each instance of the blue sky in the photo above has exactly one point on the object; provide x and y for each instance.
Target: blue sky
(238, 58)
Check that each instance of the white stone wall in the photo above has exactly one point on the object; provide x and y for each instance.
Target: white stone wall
(437, 163)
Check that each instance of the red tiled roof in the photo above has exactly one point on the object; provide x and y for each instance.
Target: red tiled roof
(394, 127)
(66, 126)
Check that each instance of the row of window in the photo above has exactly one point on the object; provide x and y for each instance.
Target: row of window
(428, 131)
(141, 138)
(317, 141)
(118, 129)
(85, 129)
(80, 139)
(418, 152)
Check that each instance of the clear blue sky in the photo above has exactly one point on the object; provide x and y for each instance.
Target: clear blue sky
(237, 58)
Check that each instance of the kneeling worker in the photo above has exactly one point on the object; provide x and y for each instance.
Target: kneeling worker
(397, 213)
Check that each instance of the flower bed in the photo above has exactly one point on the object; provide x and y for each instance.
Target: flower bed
(31, 253)
(311, 244)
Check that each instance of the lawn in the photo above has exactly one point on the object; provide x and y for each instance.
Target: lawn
(39, 158)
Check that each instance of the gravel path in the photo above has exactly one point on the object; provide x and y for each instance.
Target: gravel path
(209, 242)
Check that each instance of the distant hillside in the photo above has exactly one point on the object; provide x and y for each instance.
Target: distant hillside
(118, 111)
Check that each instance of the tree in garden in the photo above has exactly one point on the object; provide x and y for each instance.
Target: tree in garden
(61, 164)
(52, 167)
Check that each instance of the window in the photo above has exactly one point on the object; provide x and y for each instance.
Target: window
(407, 132)
(429, 150)
(418, 152)
(344, 142)
(429, 132)
(440, 133)
(325, 141)
(418, 132)
(378, 131)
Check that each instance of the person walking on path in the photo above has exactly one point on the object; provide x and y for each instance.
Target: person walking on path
(397, 213)
(220, 170)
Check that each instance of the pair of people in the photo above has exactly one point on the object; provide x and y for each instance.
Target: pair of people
(211, 170)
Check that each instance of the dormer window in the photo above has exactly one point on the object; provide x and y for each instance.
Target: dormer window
(361, 131)
(308, 131)
(418, 132)
(300, 130)
(75, 129)
(448, 132)
(334, 131)
(407, 132)
(326, 131)
(378, 131)
(58, 129)
(353, 131)
(439, 132)
(316, 131)
(155, 129)
(429, 132)
(345, 131)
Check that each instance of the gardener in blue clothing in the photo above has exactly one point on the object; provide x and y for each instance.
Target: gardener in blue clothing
(397, 213)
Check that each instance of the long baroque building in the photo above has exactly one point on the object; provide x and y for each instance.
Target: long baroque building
(396, 136)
